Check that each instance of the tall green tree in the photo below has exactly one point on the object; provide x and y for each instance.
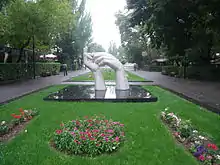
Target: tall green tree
(43, 20)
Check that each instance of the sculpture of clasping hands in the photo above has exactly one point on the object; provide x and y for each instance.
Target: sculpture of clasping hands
(99, 80)
(103, 58)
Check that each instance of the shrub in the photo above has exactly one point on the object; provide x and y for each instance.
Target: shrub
(89, 136)
(14, 71)
(153, 68)
(170, 70)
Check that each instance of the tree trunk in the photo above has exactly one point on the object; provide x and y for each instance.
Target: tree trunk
(22, 49)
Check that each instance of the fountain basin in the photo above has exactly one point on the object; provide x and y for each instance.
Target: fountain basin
(78, 93)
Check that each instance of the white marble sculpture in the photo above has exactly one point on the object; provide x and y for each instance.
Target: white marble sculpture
(96, 60)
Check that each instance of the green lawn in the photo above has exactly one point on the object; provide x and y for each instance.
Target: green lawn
(108, 75)
(148, 140)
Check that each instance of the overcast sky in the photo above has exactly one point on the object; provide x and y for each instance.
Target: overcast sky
(104, 28)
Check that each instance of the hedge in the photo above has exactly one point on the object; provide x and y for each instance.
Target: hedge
(14, 71)
(153, 68)
(211, 72)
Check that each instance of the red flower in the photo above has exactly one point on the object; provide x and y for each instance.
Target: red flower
(213, 146)
(90, 125)
(201, 157)
(83, 137)
(59, 131)
(61, 125)
(16, 116)
(98, 145)
(92, 139)
(89, 121)
(21, 110)
(102, 134)
(86, 117)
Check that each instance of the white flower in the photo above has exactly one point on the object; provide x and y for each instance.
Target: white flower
(113, 148)
(3, 123)
(202, 137)
(166, 109)
(163, 114)
(25, 111)
(197, 142)
(25, 131)
(195, 131)
(218, 157)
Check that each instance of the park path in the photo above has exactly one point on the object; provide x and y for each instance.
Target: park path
(204, 93)
(18, 89)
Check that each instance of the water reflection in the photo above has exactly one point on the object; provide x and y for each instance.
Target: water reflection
(88, 92)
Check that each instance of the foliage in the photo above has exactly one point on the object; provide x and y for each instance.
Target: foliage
(201, 147)
(175, 27)
(153, 68)
(43, 19)
(130, 38)
(89, 136)
(95, 47)
(73, 42)
(15, 71)
(23, 116)
(144, 132)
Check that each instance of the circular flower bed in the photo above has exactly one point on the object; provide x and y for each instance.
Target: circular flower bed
(89, 136)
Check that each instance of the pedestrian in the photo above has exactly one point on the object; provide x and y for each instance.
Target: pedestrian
(135, 66)
(65, 69)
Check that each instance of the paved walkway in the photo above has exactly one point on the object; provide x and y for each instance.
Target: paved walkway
(11, 91)
(206, 93)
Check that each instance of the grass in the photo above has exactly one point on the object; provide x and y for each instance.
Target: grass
(108, 75)
(148, 140)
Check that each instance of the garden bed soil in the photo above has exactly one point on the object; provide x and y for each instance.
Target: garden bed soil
(13, 132)
(185, 144)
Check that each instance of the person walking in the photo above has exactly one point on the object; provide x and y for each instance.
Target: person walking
(65, 69)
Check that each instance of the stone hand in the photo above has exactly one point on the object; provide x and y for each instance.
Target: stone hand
(88, 61)
(103, 58)
(99, 80)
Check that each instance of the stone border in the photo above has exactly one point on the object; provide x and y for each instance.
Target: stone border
(194, 101)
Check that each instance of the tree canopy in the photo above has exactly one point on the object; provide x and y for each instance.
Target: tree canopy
(188, 29)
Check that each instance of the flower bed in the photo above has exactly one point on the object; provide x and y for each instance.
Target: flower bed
(199, 145)
(89, 136)
(10, 129)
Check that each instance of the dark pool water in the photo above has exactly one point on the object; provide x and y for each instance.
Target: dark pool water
(88, 93)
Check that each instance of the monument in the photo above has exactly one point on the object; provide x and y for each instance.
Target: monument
(96, 60)
(101, 91)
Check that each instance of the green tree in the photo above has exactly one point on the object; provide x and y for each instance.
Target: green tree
(44, 20)
(113, 48)
(95, 47)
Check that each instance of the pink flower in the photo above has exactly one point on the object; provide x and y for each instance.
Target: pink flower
(102, 134)
(75, 128)
(59, 131)
(95, 130)
(72, 133)
(110, 131)
(115, 123)
(201, 157)
(117, 139)
(81, 133)
(122, 125)
(122, 134)
(209, 157)
(92, 139)
(106, 139)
